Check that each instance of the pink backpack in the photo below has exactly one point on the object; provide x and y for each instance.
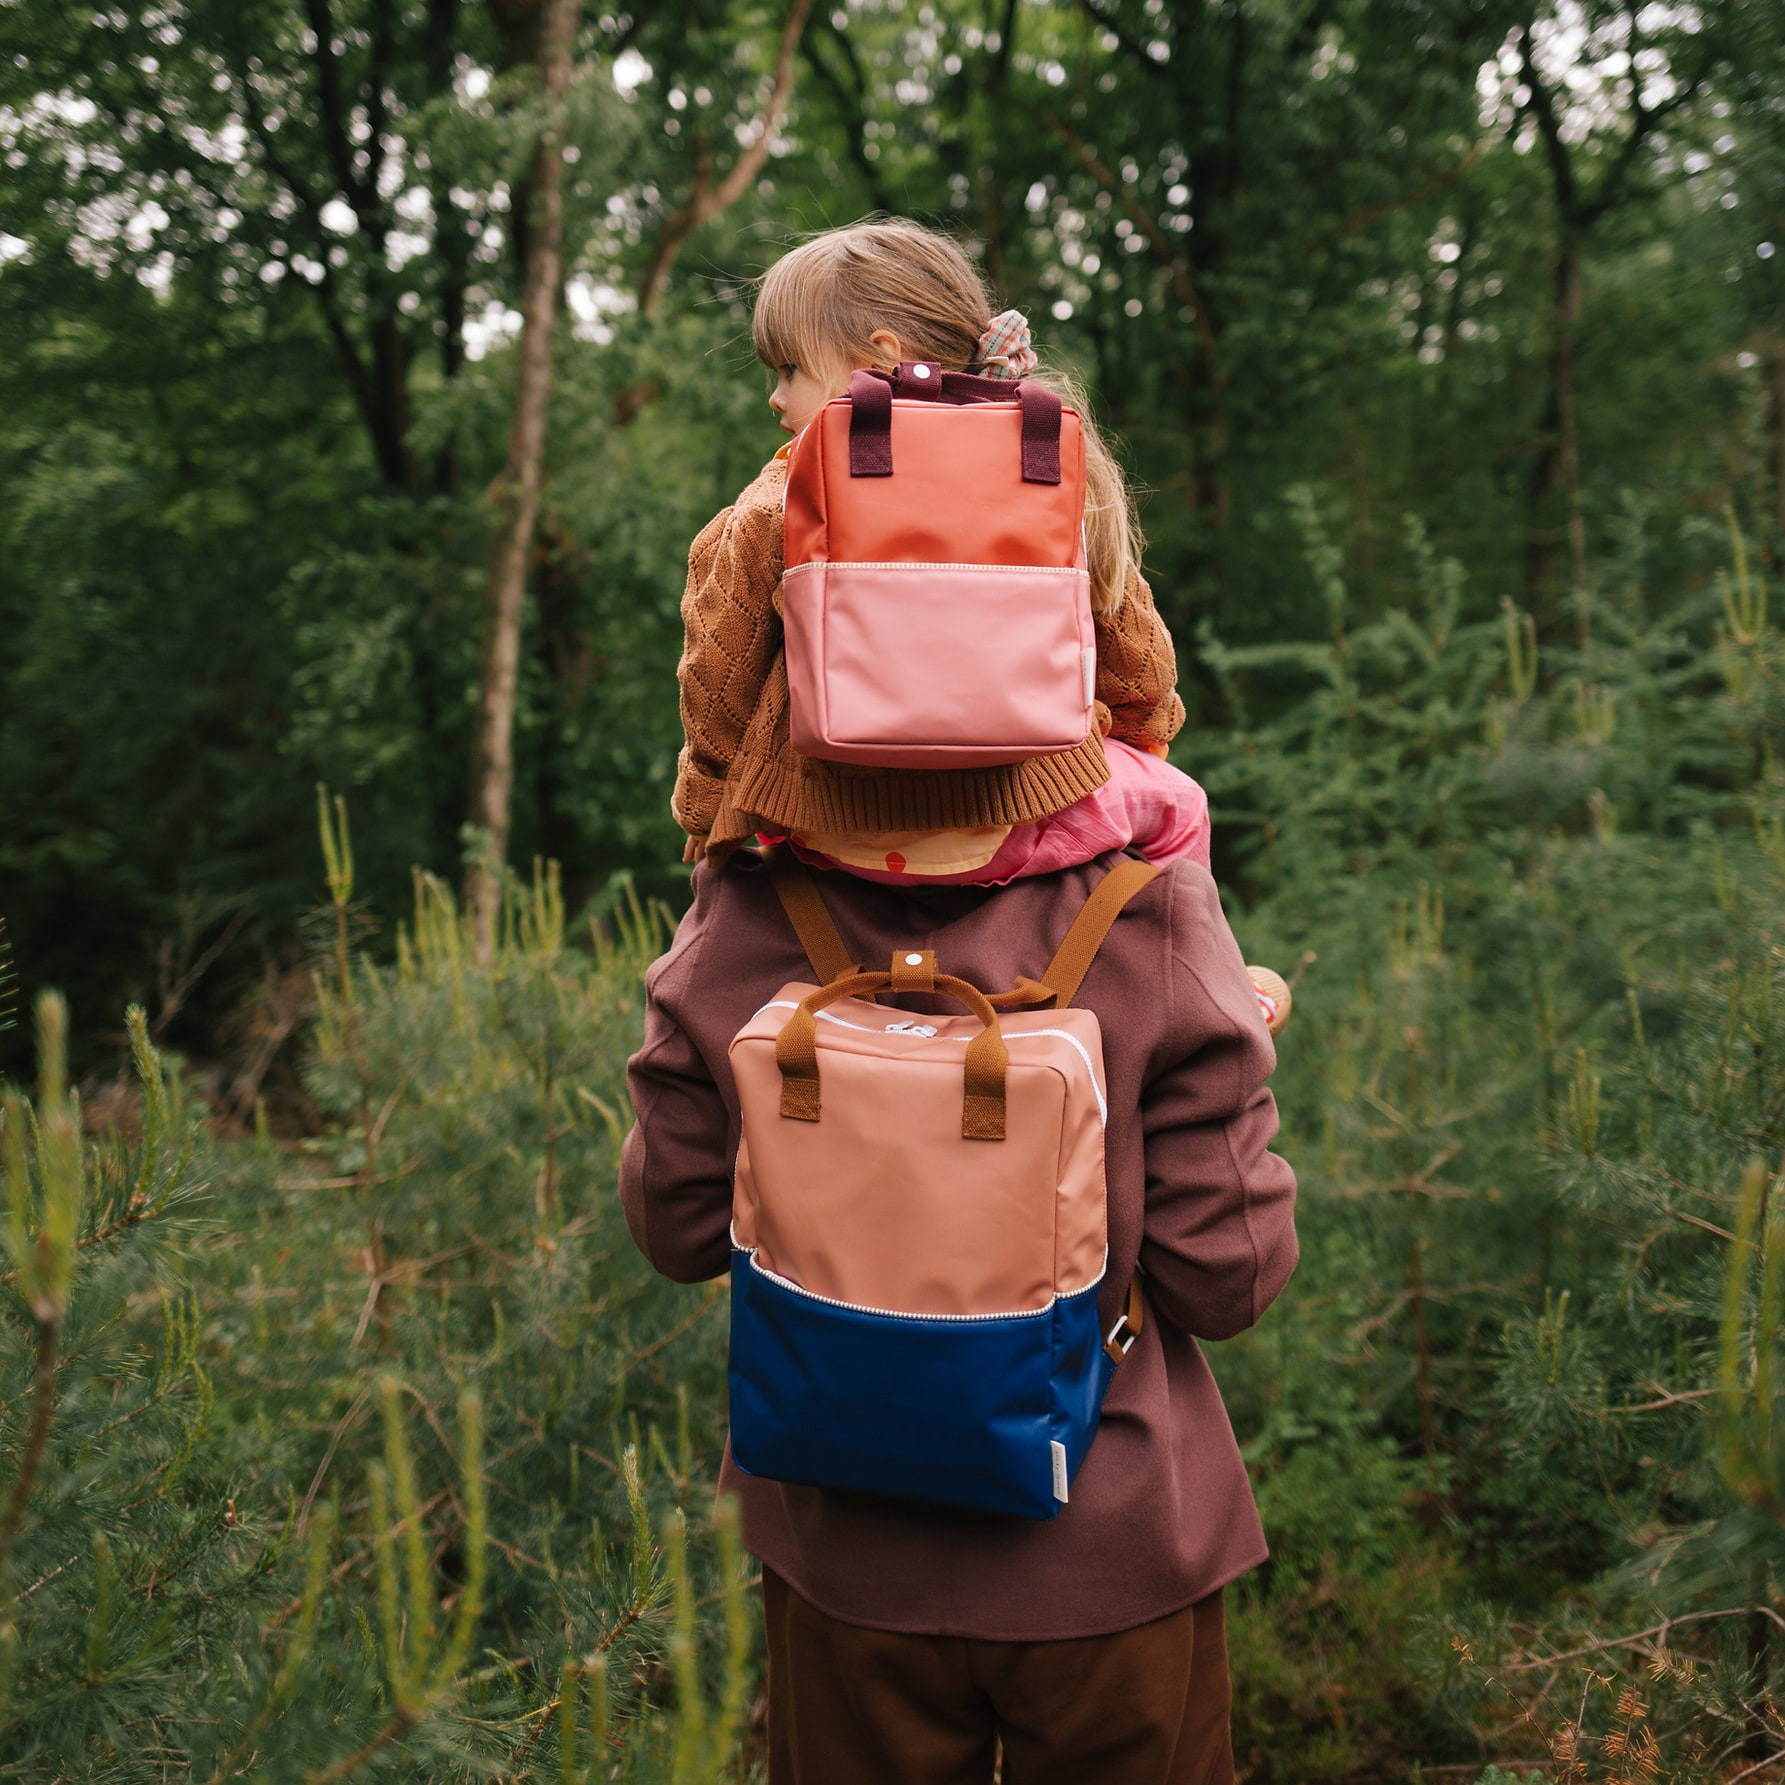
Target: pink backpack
(936, 601)
(918, 1225)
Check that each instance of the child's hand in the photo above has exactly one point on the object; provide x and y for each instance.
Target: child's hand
(694, 849)
(1274, 1000)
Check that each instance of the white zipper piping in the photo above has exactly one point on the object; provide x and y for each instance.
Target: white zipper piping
(930, 565)
(824, 1016)
(830, 1301)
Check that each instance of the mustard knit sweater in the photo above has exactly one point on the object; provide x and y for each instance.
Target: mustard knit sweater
(739, 774)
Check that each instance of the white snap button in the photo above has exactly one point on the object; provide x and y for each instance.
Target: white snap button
(914, 960)
(920, 371)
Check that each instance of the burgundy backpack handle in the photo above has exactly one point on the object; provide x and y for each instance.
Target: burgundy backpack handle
(1041, 432)
(871, 395)
(870, 424)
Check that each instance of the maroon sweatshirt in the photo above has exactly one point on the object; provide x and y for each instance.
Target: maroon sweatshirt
(1161, 1511)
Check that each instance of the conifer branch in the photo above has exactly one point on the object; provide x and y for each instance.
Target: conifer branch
(715, 1293)
(42, 1235)
(9, 981)
(284, 1685)
(1641, 1636)
(43, 1403)
(133, 1216)
(402, 1720)
(648, 1584)
(419, 1680)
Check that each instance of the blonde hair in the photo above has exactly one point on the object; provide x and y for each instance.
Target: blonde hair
(821, 304)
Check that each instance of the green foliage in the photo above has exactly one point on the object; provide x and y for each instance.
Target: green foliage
(244, 1531)
(1537, 914)
(1329, 1675)
(1517, 827)
(1537, 903)
(1747, 1358)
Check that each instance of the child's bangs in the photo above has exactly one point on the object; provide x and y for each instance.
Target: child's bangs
(787, 327)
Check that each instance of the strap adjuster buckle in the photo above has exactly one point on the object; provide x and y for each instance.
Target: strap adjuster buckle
(1119, 1340)
(1121, 1336)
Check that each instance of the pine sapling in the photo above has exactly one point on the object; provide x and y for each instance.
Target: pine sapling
(421, 1675)
(43, 1221)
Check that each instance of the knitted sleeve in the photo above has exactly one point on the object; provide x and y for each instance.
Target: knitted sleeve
(731, 632)
(1137, 671)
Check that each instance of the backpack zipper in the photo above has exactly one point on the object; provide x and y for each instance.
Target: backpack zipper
(824, 1016)
(830, 1301)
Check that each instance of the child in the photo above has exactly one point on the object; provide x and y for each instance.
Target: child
(872, 295)
(909, 1644)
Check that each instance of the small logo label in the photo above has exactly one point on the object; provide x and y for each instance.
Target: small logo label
(1059, 1455)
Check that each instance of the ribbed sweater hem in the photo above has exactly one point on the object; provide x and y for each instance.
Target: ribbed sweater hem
(792, 793)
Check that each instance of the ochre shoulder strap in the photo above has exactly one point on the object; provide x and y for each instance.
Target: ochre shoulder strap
(829, 954)
(1073, 958)
(812, 923)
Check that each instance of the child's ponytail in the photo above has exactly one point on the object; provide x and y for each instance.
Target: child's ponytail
(820, 305)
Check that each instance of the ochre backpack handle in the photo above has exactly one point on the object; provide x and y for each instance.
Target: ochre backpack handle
(988, 1059)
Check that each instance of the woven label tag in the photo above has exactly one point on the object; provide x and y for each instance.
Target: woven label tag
(1059, 1454)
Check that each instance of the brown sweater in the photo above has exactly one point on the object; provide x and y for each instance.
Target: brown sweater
(738, 773)
(1161, 1512)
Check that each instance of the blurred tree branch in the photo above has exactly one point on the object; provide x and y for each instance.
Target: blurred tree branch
(1177, 269)
(705, 201)
(1362, 219)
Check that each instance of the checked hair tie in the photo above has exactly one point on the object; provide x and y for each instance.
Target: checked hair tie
(1004, 350)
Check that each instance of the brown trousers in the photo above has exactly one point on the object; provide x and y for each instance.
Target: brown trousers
(849, 1706)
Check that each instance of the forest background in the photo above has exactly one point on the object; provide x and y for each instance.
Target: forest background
(366, 367)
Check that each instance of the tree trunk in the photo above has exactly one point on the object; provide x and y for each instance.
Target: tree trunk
(1775, 423)
(1208, 420)
(1567, 359)
(452, 245)
(390, 380)
(995, 188)
(1556, 478)
(567, 659)
(517, 491)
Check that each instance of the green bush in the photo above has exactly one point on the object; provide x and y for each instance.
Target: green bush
(386, 1458)
(1535, 898)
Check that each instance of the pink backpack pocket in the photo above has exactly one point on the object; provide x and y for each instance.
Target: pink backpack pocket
(938, 665)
